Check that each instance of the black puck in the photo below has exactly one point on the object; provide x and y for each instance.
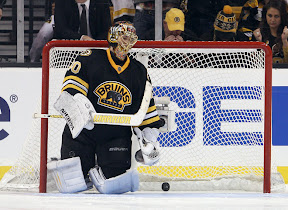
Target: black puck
(165, 186)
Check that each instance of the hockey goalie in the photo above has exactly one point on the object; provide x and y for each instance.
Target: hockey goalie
(104, 81)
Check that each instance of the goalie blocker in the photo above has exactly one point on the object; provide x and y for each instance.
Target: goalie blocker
(77, 111)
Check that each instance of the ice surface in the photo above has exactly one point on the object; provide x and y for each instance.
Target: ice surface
(146, 200)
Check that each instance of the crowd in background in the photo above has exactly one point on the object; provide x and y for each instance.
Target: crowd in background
(183, 20)
(2, 2)
(207, 20)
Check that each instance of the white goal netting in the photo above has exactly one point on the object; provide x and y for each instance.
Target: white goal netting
(218, 95)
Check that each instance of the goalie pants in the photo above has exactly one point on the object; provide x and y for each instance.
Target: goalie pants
(112, 155)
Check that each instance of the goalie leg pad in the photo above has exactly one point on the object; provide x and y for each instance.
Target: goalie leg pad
(68, 175)
(129, 181)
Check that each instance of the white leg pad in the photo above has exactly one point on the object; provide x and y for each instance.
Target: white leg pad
(68, 175)
(129, 181)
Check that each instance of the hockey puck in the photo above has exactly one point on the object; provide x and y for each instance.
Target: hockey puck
(165, 186)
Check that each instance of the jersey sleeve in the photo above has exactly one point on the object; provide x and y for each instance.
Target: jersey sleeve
(151, 118)
(76, 79)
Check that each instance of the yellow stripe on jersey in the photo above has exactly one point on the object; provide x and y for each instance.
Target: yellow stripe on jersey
(151, 109)
(123, 11)
(77, 79)
(150, 121)
(151, 116)
(74, 87)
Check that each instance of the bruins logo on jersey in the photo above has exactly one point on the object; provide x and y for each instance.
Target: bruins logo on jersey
(113, 95)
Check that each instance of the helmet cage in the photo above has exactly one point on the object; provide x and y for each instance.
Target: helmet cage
(122, 34)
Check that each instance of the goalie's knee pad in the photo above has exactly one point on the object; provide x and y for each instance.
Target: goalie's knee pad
(68, 175)
(129, 181)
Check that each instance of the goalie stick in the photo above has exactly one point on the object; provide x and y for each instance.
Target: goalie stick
(117, 119)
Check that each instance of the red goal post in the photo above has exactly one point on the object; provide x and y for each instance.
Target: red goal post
(161, 45)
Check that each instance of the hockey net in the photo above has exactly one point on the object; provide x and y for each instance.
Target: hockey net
(221, 95)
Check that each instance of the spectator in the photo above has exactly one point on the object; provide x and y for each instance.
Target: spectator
(67, 19)
(273, 29)
(123, 10)
(2, 2)
(236, 2)
(225, 26)
(262, 3)
(44, 35)
(201, 14)
(144, 19)
(249, 19)
(173, 28)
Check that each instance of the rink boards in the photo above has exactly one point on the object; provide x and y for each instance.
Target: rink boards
(22, 94)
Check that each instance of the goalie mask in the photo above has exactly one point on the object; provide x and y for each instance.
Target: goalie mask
(122, 37)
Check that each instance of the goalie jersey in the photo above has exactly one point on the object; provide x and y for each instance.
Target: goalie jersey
(111, 88)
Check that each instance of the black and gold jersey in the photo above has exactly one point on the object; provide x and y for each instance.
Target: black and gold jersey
(111, 88)
(279, 54)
